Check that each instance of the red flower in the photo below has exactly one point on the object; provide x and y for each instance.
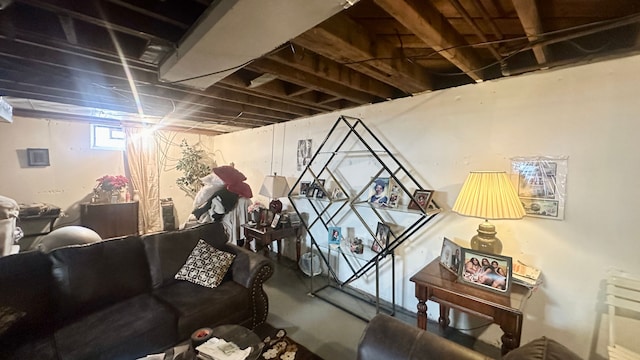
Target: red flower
(110, 182)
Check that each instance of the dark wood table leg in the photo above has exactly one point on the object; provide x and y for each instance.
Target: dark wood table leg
(422, 314)
(444, 317)
(279, 248)
(512, 327)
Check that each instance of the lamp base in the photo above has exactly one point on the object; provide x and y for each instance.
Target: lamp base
(486, 240)
(275, 206)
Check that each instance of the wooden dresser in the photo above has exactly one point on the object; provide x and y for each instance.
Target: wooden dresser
(110, 220)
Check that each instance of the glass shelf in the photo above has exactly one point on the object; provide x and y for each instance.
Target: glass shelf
(349, 159)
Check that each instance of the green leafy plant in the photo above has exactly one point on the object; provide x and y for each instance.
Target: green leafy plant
(193, 168)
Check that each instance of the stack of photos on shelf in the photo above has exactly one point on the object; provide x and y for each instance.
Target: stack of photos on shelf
(483, 270)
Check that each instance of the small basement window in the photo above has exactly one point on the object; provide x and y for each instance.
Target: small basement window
(107, 137)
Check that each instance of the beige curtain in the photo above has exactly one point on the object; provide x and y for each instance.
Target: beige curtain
(142, 163)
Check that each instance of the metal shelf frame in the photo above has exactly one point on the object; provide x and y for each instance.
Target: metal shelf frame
(344, 132)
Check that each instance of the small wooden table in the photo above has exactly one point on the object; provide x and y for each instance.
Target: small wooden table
(437, 284)
(266, 235)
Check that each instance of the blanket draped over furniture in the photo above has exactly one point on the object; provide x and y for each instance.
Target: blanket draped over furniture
(388, 338)
(119, 299)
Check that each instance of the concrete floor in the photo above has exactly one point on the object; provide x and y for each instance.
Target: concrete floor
(325, 329)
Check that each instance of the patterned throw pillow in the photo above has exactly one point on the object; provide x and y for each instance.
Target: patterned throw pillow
(8, 317)
(206, 265)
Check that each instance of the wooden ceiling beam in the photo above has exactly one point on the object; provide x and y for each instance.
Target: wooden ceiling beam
(530, 18)
(309, 62)
(432, 27)
(111, 74)
(343, 40)
(301, 78)
(277, 89)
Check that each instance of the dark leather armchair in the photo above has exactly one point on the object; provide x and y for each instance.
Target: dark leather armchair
(388, 338)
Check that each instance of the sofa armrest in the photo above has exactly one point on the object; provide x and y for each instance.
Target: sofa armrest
(386, 337)
(251, 270)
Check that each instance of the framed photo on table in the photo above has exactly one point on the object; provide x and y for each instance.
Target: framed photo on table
(451, 256)
(488, 271)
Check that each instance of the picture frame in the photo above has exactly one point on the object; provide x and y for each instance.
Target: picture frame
(379, 192)
(276, 220)
(334, 235)
(319, 189)
(422, 200)
(38, 157)
(541, 185)
(304, 187)
(394, 194)
(486, 271)
(381, 240)
(451, 256)
(337, 193)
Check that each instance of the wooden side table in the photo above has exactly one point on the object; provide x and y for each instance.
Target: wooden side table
(266, 235)
(437, 284)
(110, 220)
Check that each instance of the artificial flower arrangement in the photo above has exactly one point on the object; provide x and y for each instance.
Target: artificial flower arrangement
(110, 183)
(256, 206)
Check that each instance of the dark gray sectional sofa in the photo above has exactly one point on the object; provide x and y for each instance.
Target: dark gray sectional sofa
(118, 299)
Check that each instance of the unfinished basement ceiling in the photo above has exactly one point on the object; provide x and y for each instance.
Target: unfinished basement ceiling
(71, 54)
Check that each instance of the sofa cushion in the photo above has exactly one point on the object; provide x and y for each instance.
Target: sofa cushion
(8, 317)
(41, 347)
(206, 265)
(127, 330)
(542, 348)
(199, 306)
(25, 287)
(93, 276)
(168, 251)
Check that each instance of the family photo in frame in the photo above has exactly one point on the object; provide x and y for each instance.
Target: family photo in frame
(381, 240)
(422, 200)
(451, 256)
(379, 194)
(487, 271)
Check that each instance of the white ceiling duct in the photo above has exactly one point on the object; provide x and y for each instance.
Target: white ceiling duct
(233, 32)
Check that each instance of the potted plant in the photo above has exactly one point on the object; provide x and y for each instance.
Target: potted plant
(109, 189)
(193, 168)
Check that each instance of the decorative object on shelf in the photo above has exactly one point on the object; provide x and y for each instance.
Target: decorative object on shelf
(274, 187)
(110, 189)
(304, 187)
(356, 246)
(379, 194)
(394, 194)
(487, 271)
(451, 256)
(335, 233)
(193, 169)
(318, 186)
(381, 241)
(422, 200)
(488, 195)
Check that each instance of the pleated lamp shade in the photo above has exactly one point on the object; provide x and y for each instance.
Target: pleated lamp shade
(488, 195)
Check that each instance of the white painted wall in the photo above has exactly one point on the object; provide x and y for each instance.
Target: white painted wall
(75, 167)
(588, 113)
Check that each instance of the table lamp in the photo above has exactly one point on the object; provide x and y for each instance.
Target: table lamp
(488, 195)
(275, 187)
